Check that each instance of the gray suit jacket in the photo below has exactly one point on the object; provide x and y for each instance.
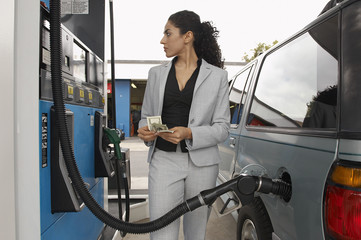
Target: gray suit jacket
(209, 116)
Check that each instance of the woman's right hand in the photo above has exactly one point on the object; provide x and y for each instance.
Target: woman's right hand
(146, 135)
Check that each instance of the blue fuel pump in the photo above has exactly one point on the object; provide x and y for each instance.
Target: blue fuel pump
(63, 212)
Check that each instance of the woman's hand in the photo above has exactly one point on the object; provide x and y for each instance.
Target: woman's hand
(179, 134)
(146, 135)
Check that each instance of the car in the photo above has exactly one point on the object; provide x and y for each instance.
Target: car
(296, 116)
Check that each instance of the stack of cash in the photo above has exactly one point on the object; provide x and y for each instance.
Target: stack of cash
(155, 124)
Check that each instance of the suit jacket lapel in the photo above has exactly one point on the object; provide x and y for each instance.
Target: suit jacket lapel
(204, 71)
(163, 80)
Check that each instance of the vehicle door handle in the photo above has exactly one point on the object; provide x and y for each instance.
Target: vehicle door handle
(232, 142)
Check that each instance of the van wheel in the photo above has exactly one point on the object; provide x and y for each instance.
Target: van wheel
(254, 222)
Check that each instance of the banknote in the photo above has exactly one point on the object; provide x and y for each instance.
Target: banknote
(155, 124)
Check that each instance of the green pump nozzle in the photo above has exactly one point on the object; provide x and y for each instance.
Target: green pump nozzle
(114, 138)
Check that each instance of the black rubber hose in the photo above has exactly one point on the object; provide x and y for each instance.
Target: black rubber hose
(127, 197)
(114, 121)
(112, 63)
(68, 153)
(117, 173)
(121, 174)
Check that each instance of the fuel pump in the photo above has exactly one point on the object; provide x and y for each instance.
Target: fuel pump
(82, 82)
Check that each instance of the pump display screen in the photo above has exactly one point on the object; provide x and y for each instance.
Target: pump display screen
(79, 62)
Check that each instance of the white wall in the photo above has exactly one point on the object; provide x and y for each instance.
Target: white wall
(19, 164)
(7, 199)
(26, 131)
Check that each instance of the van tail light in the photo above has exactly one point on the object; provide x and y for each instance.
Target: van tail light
(342, 204)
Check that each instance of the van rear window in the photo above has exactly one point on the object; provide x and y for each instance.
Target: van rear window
(297, 85)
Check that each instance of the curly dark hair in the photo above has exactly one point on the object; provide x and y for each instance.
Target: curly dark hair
(205, 36)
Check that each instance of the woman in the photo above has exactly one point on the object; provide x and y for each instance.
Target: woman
(191, 95)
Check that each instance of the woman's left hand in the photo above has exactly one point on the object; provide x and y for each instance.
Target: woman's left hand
(179, 134)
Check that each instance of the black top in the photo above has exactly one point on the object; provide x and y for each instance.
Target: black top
(176, 106)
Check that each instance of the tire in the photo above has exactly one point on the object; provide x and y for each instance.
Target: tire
(253, 222)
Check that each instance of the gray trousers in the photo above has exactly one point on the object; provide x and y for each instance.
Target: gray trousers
(173, 178)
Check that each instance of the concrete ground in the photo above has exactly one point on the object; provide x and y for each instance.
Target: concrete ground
(217, 228)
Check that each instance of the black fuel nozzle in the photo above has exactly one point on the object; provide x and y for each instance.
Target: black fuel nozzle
(244, 186)
(247, 185)
(275, 186)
